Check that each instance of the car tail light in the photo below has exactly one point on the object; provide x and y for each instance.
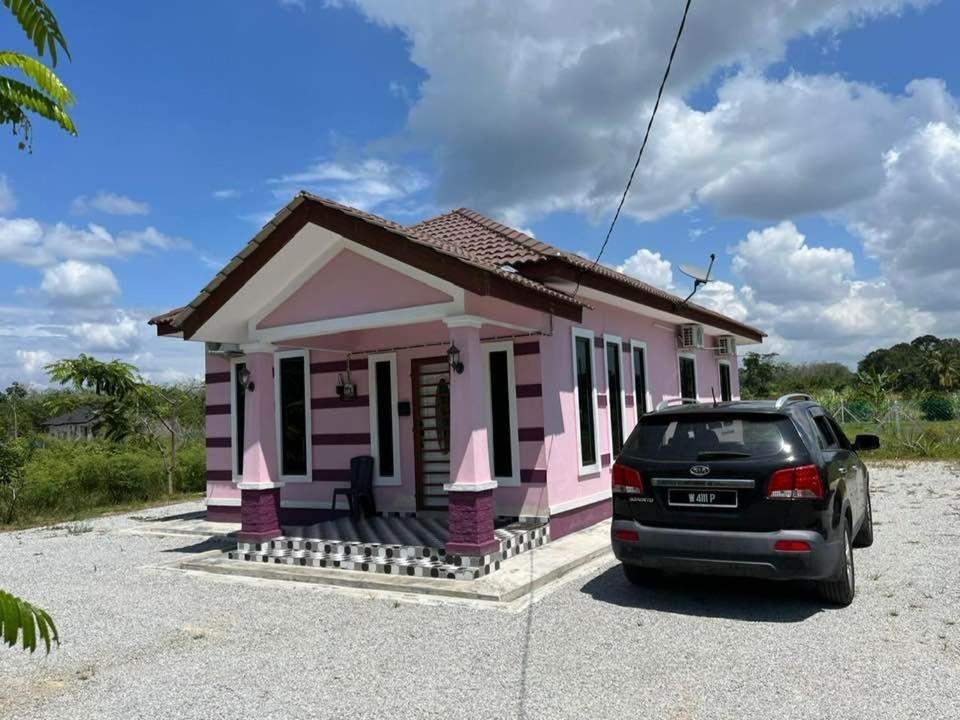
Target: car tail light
(627, 535)
(796, 482)
(627, 480)
(792, 546)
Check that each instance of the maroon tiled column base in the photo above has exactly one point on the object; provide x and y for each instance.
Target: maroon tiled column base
(259, 515)
(471, 523)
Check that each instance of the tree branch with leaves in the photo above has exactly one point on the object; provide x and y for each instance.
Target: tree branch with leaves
(40, 91)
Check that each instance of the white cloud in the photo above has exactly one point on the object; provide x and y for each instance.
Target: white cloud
(80, 283)
(109, 203)
(27, 241)
(8, 200)
(365, 184)
(650, 267)
(122, 335)
(34, 361)
(779, 265)
(52, 333)
(913, 223)
(531, 107)
(226, 193)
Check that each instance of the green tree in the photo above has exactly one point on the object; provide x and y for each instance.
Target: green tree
(944, 368)
(758, 374)
(40, 91)
(165, 416)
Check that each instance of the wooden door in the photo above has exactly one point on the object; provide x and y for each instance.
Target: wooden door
(431, 427)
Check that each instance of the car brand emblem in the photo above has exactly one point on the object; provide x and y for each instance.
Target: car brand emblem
(699, 470)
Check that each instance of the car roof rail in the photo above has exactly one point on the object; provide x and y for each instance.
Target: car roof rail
(664, 404)
(791, 397)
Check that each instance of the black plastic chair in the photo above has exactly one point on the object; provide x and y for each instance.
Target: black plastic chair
(360, 493)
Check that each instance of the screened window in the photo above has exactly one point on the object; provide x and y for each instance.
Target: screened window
(640, 379)
(688, 377)
(384, 400)
(583, 358)
(239, 411)
(615, 390)
(293, 415)
(502, 433)
(725, 392)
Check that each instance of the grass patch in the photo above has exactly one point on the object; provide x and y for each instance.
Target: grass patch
(913, 440)
(54, 518)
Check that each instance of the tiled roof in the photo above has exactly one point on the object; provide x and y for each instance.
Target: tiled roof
(470, 238)
(175, 318)
(484, 238)
(500, 245)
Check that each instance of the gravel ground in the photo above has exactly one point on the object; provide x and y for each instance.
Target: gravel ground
(142, 641)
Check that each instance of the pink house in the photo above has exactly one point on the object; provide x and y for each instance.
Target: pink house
(455, 352)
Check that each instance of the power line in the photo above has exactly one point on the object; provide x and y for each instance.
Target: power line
(646, 136)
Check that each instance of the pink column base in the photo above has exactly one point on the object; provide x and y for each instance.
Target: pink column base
(259, 515)
(471, 523)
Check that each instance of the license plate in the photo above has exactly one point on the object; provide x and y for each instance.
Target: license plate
(702, 498)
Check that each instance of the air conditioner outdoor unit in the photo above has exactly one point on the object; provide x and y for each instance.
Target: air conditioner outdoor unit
(228, 349)
(726, 345)
(690, 337)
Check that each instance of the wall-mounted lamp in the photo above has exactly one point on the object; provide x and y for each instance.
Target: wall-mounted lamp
(346, 390)
(246, 380)
(453, 353)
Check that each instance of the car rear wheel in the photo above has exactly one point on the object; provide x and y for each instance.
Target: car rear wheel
(864, 538)
(640, 576)
(841, 588)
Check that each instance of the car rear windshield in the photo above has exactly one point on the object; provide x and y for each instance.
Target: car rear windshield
(711, 438)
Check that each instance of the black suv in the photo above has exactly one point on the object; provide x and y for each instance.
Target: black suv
(770, 489)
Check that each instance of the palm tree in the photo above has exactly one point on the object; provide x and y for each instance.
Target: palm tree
(47, 96)
(943, 368)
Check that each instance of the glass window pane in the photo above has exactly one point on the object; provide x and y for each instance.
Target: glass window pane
(588, 450)
(293, 417)
(384, 402)
(239, 411)
(500, 413)
(688, 378)
(640, 380)
(614, 387)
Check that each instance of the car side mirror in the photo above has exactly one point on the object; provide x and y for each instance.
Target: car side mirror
(866, 442)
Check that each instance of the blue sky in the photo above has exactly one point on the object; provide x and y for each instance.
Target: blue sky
(198, 120)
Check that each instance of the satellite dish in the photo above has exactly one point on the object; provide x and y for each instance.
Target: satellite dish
(696, 272)
(699, 275)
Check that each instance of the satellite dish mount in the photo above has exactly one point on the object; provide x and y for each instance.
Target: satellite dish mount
(699, 275)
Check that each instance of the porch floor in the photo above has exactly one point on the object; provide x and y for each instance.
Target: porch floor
(412, 546)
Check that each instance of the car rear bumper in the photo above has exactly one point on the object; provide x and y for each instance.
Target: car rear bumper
(715, 552)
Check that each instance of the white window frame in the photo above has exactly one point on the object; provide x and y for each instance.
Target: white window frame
(623, 392)
(372, 360)
(512, 480)
(720, 364)
(308, 411)
(648, 396)
(594, 467)
(696, 380)
(234, 465)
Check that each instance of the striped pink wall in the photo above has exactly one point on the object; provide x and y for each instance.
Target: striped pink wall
(220, 487)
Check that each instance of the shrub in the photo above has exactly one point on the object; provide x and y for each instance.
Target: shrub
(937, 408)
(64, 477)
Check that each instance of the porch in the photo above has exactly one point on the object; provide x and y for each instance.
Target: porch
(392, 545)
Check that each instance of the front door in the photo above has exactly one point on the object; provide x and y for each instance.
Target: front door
(431, 428)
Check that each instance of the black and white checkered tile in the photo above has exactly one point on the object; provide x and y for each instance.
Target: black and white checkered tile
(403, 560)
